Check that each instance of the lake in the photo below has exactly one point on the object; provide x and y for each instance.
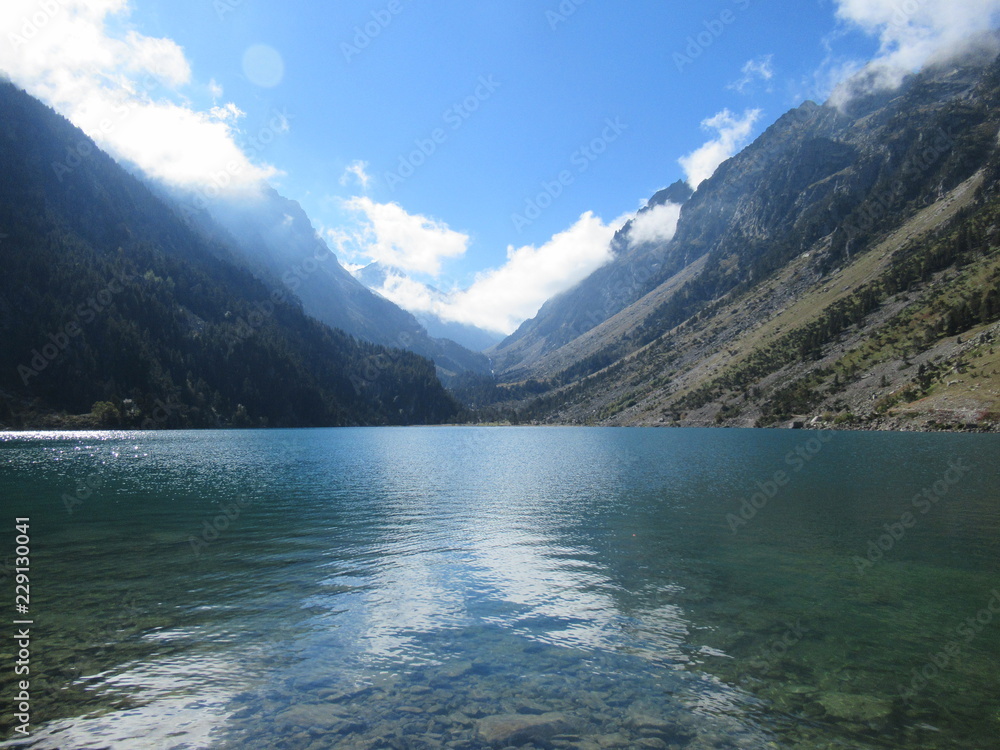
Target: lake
(464, 587)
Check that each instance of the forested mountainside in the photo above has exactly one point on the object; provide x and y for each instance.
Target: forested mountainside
(273, 237)
(841, 270)
(114, 312)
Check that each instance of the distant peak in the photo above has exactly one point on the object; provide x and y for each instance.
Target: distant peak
(677, 193)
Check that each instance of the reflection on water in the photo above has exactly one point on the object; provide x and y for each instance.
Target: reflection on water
(467, 588)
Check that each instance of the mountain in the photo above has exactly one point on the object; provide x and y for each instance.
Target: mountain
(532, 348)
(275, 239)
(842, 269)
(375, 276)
(114, 309)
(471, 337)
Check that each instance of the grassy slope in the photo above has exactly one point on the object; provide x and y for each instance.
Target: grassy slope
(868, 377)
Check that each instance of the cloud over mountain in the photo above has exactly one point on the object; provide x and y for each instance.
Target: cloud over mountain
(388, 234)
(911, 33)
(656, 224)
(732, 133)
(124, 89)
(501, 298)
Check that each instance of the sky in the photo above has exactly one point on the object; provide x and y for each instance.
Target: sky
(487, 150)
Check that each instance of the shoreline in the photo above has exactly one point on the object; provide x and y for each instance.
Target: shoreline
(80, 423)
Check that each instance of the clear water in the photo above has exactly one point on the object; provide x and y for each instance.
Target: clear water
(592, 588)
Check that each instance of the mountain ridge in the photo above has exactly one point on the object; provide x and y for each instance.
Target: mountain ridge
(116, 313)
(274, 237)
(375, 275)
(605, 292)
(818, 191)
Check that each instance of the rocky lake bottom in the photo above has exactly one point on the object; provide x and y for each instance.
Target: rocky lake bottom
(539, 588)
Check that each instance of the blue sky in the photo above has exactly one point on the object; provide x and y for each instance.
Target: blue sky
(461, 141)
(555, 89)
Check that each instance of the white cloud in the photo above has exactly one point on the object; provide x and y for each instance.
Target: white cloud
(911, 33)
(834, 70)
(411, 294)
(353, 268)
(227, 112)
(175, 144)
(732, 134)
(759, 68)
(163, 56)
(357, 171)
(396, 238)
(502, 298)
(656, 224)
(122, 89)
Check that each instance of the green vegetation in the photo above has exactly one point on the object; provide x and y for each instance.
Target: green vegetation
(111, 306)
(846, 259)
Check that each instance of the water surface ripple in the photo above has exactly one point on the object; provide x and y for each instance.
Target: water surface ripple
(461, 587)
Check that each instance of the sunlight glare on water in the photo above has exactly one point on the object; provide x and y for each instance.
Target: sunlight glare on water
(435, 587)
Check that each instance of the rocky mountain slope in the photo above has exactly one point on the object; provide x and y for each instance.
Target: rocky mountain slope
(842, 269)
(605, 292)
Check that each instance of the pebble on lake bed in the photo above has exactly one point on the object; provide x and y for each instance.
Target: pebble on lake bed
(520, 729)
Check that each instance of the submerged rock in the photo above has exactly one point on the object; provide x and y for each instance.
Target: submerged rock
(616, 740)
(860, 709)
(319, 716)
(520, 729)
(530, 707)
(456, 669)
(658, 728)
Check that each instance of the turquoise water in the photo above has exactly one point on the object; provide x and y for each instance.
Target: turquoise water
(461, 587)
